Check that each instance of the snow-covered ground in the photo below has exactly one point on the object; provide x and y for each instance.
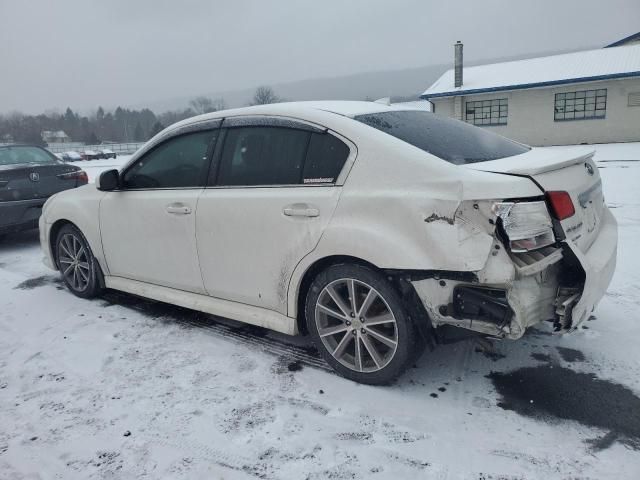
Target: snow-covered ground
(124, 388)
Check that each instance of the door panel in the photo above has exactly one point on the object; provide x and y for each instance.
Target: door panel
(148, 229)
(250, 239)
(149, 235)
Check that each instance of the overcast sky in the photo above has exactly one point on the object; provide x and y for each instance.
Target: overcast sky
(85, 53)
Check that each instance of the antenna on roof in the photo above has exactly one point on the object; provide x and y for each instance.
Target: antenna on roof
(384, 101)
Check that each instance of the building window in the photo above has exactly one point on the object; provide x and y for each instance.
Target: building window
(487, 112)
(581, 105)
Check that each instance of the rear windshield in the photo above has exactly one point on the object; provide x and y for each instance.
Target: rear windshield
(25, 154)
(451, 140)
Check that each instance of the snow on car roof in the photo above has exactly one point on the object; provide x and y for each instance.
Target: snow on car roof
(590, 65)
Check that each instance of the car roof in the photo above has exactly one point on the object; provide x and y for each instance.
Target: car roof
(345, 108)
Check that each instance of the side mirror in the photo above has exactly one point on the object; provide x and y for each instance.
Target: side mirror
(108, 181)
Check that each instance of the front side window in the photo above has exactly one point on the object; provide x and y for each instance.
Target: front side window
(487, 112)
(580, 105)
(180, 162)
(451, 140)
(263, 156)
(25, 155)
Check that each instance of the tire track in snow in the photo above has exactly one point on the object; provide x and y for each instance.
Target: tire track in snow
(243, 334)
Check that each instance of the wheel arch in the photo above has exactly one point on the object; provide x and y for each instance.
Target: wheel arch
(311, 272)
(398, 279)
(53, 236)
(79, 207)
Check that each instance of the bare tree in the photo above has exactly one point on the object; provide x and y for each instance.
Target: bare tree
(204, 104)
(265, 95)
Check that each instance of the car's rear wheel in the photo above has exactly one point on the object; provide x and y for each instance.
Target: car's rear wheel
(79, 268)
(359, 324)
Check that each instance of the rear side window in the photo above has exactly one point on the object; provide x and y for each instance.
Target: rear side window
(179, 162)
(263, 156)
(325, 158)
(446, 138)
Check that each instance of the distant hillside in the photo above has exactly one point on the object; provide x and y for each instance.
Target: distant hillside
(403, 84)
(373, 85)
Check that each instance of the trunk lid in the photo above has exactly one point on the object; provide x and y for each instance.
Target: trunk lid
(572, 170)
(32, 181)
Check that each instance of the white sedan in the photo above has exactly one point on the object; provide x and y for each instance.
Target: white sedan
(375, 229)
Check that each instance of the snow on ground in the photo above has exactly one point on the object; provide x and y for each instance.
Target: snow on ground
(120, 387)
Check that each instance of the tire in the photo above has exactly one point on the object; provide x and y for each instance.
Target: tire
(80, 270)
(379, 315)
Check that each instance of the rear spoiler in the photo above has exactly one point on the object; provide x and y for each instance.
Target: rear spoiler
(536, 161)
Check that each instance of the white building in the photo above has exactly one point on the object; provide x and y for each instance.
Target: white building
(58, 136)
(583, 97)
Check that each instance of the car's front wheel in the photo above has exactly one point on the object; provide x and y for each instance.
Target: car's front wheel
(358, 322)
(80, 270)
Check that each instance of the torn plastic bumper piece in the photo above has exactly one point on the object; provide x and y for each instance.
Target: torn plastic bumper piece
(481, 303)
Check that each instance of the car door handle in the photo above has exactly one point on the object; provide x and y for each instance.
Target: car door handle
(300, 210)
(178, 209)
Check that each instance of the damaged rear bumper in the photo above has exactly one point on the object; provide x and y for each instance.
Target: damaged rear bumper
(513, 292)
(599, 263)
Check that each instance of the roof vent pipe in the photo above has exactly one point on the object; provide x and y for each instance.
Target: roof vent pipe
(457, 64)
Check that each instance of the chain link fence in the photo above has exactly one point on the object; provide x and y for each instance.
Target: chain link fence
(119, 148)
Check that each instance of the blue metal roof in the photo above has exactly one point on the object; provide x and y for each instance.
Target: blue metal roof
(530, 85)
(630, 38)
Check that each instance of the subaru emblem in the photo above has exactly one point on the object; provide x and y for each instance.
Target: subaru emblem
(589, 168)
(34, 176)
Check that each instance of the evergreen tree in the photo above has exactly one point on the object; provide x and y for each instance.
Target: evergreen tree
(91, 138)
(138, 134)
(157, 128)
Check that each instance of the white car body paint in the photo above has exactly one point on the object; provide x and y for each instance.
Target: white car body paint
(245, 233)
(143, 240)
(394, 206)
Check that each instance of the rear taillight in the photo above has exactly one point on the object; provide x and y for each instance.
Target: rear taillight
(79, 175)
(527, 225)
(561, 204)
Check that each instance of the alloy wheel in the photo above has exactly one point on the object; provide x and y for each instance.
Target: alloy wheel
(74, 262)
(356, 325)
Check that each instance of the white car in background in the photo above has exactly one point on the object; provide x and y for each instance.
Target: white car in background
(372, 228)
(71, 156)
